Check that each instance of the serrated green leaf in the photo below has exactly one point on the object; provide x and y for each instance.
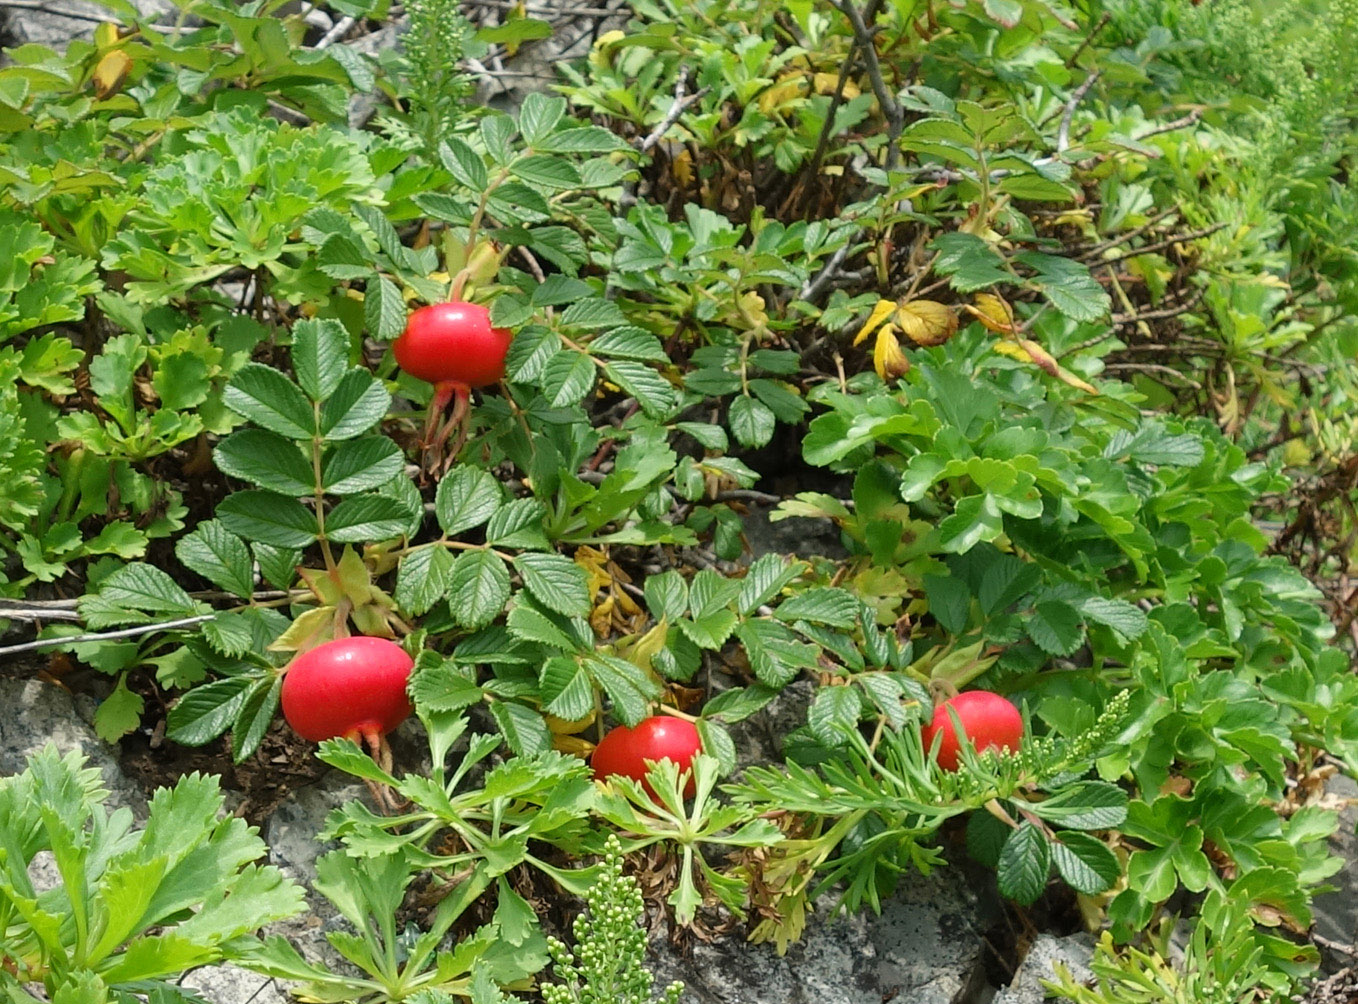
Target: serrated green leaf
(821, 605)
(555, 581)
(118, 713)
(270, 400)
(358, 465)
(219, 556)
(1085, 805)
(652, 391)
(320, 351)
(442, 688)
(523, 728)
(834, 711)
(1024, 864)
(517, 524)
(566, 378)
(539, 116)
(751, 421)
(765, 579)
(1055, 627)
(358, 403)
(266, 460)
(478, 588)
(466, 497)
(423, 579)
(384, 308)
(362, 519)
(1086, 863)
(464, 163)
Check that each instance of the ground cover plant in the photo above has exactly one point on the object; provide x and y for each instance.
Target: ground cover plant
(332, 394)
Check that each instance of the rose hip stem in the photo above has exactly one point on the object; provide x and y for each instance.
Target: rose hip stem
(380, 750)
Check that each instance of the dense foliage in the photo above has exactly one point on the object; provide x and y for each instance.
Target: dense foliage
(1039, 305)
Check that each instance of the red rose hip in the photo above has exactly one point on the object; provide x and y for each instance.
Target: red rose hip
(988, 721)
(352, 687)
(453, 343)
(625, 751)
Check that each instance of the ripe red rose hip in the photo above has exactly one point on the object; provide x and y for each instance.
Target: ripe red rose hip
(353, 687)
(625, 751)
(453, 343)
(988, 721)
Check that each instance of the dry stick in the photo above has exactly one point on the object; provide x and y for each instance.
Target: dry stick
(895, 114)
(1089, 39)
(80, 639)
(824, 140)
(1190, 119)
(1167, 242)
(1099, 249)
(1063, 134)
(332, 36)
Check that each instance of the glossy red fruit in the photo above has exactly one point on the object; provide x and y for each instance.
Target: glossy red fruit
(453, 343)
(353, 687)
(988, 721)
(625, 751)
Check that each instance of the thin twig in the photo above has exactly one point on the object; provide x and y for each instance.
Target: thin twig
(80, 639)
(1162, 245)
(677, 107)
(47, 8)
(823, 141)
(813, 286)
(1182, 123)
(332, 36)
(1063, 134)
(1099, 249)
(1089, 39)
(12, 613)
(891, 108)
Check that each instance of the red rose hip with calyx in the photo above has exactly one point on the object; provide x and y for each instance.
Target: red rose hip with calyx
(988, 721)
(453, 343)
(350, 687)
(625, 751)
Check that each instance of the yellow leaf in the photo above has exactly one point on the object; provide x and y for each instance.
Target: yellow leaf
(322, 584)
(1012, 351)
(111, 72)
(572, 745)
(887, 358)
(825, 83)
(787, 87)
(354, 578)
(879, 314)
(105, 35)
(926, 322)
(682, 168)
(307, 631)
(993, 312)
(561, 727)
(593, 562)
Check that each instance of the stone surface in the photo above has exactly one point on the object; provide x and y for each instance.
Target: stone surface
(57, 22)
(38, 713)
(798, 535)
(1336, 913)
(229, 985)
(925, 948)
(1073, 951)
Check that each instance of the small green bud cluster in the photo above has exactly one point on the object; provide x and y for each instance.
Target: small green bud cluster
(608, 964)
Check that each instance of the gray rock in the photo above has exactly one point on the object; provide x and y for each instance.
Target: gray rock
(1336, 913)
(925, 948)
(39, 713)
(229, 985)
(57, 22)
(1073, 951)
(799, 536)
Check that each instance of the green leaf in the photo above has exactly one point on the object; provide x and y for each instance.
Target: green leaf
(949, 601)
(254, 718)
(357, 465)
(466, 497)
(752, 422)
(139, 586)
(539, 115)
(567, 690)
(969, 261)
(567, 377)
(441, 687)
(517, 524)
(1085, 805)
(834, 711)
(384, 309)
(270, 400)
(341, 257)
(219, 556)
(1024, 864)
(547, 172)
(266, 460)
(1006, 580)
(514, 31)
(594, 313)
(205, 712)
(523, 728)
(422, 579)
(363, 519)
(629, 343)
(268, 518)
(666, 595)
(1007, 13)
(464, 163)
(766, 577)
(975, 519)
(320, 350)
(584, 139)
(555, 581)
(478, 588)
(652, 391)
(1055, 627)
(358, 403)
(717, 742)
(985, 838)
(118, 713)
(1124, 618)
(1068, 285)
(627, 685)
(822, 605)
(1086, 863)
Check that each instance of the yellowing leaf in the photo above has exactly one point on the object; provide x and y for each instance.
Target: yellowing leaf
(788, 87)
(926, 322)
(111, 72)
(879, 314)
(887, 358)
(682, 168)
(825, 83)
(307, 631)
(993, 312)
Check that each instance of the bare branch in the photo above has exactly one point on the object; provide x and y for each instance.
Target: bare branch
(813, 287)
(1088, 40)
(891, 108)
(80, 639)
(1063, 134)
(332, 36)
(1162, 245)
(1182, 123)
